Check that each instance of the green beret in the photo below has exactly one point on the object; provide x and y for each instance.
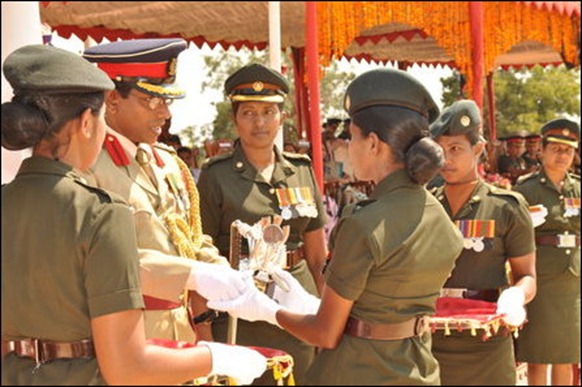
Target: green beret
(389, 87)
(461, 117)
(256, 82)
(562, 131)
(51, 70)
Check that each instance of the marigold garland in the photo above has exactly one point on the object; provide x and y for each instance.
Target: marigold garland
(505, 25)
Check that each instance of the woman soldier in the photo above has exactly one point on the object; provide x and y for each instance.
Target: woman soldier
(480, 272)
(387, 267)
(257, 180)
(71, 300)
(552, 336)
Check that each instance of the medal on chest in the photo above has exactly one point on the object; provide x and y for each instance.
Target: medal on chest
(571, 207)
(476, 232)
(178, 190)
(296, 202)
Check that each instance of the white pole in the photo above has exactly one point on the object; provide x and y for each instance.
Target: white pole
(20, 26)
(275, 49)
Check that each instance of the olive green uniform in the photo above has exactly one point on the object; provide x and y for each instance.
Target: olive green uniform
(387, 260)
(67, 257)
(230, 189)
(466, 359)
(552, 335)
(163, 271)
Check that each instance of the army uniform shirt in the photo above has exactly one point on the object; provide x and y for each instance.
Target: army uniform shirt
(67, 257)
(496, 225)
(552, 335)
(163, 271)
(230, 189)
(391, 256)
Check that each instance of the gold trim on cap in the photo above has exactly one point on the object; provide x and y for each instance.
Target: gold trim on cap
(572, 143)
(160, 89)
(257, 98)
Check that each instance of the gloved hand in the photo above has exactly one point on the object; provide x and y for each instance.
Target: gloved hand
(297, 299)
(241, 364)
(217, 282)
(511, 303)
(253, 305)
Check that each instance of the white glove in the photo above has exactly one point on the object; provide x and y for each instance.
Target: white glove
(239, 363)
(253, 305)
(510, 303)
(297, 299)
(216, 282)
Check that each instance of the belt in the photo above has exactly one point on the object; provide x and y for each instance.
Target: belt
(152, 303)
(414, 327)
(42, 351)
(562, 240)
(490, 295)
(293, 257)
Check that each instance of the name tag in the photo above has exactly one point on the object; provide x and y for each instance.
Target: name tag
(566, 240)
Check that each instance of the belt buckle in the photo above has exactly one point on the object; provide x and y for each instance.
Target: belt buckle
(453, 292)
(421, 325)
(566, 240)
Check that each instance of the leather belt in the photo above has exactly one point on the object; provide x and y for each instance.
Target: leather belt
(490, 295)
(42, 351)
(562, 241)
(410, 328)
(152, 303)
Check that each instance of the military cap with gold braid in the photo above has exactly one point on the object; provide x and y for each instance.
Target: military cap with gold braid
(461, 117)
(389, 87)
(255, 82)
(562, 131)
(149, 65)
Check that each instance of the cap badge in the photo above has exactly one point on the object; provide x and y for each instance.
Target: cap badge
(465, 121)
(172, 67)
(258, 86)
(566, 132)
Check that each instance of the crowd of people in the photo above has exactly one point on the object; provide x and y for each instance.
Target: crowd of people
(121, 263)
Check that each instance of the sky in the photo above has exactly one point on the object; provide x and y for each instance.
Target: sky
(197, 109)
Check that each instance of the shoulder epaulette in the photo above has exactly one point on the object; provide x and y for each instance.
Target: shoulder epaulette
(215, 159)
(115, 150)
(109, 196)
(296, 156)
(524, 178)
(351, 209)
(505, 192)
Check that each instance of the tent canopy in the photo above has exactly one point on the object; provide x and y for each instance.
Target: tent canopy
(517, 33)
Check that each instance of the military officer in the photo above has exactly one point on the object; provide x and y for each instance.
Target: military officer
(512, 165)
(497, 228)
(387, 267)
(552, 336)
(71, 299)
(255, 180)
(533, 148)
(157, 184)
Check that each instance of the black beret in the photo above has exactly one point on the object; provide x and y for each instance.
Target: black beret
(52, 70)
(562, 131)
(461, 117)
(333, 121)
(255, 82)
(149, 65)
(389, 87)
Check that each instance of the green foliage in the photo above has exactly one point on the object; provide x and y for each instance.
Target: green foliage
(526, 99)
